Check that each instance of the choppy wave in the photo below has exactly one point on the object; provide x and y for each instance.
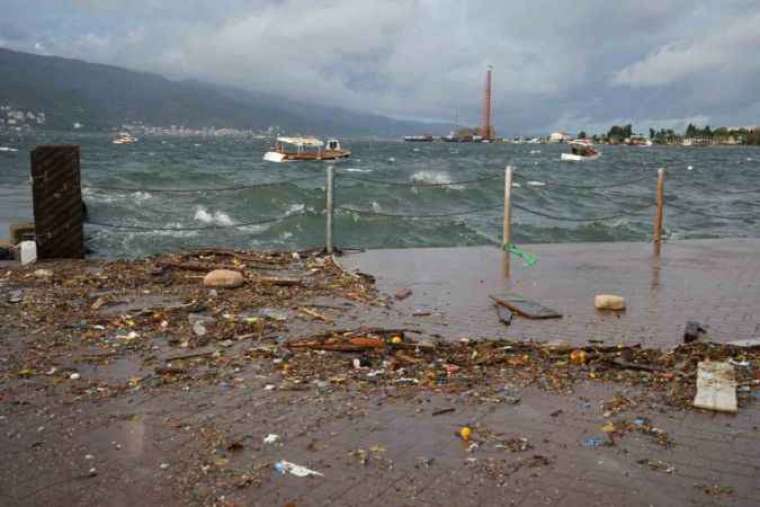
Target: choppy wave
(216, 218)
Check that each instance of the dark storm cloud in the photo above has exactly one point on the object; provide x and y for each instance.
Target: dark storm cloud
(558, 64)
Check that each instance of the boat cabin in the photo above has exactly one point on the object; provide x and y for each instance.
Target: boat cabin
(305, 148)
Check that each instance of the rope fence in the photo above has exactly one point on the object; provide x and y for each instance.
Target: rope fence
(636, 211)
(197, 190)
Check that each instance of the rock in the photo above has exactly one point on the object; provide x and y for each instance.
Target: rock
(199, 329)
(694, 331)
(609, 302)
(16, 296)
(402, 294)
(43, 273)
(224, 278)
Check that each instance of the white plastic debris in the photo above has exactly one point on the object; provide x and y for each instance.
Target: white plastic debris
(283, 467)
(28, 252)
(164, 466)
(271, 438)
(716, 387)
(75, 376)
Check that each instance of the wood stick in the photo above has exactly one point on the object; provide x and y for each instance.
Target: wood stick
(658, 217)
(506, 232)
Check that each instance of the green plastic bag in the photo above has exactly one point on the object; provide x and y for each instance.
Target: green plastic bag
(528, 259)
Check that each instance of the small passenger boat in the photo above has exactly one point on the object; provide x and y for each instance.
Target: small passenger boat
(580, 150)
(124, 138)
(290, 149)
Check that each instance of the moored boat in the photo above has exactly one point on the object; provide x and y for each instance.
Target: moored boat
(580, 150)
(124, 138)
(291, 149)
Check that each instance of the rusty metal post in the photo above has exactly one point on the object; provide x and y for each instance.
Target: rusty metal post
(58, 206)
(659, 213)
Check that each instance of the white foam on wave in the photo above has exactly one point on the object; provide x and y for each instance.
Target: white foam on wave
(434, 178)
(215, 218)
(357, 170)
(534, 183)
(294, 208)
(8, 149)
(376, 207)
(141, 196)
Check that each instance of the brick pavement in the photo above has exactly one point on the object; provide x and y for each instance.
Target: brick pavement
(382, 445)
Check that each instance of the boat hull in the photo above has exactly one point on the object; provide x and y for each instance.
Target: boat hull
(571, 157)
(325, 155)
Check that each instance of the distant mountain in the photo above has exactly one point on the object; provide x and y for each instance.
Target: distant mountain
(104, 97)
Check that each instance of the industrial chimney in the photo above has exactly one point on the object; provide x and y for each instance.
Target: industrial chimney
(486, 130)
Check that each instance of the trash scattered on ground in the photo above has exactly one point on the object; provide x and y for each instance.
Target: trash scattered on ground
(525, 307)
(421, 313)
(271, 438)
(592, 442)
(284, 467)
(465, 433)
(529, 259)
(504, 314)
(609, 302)
(753, 342)
(16, 296)
(715, 489)
(693, 332)
(716, 386)
(442, 411)
(657, 465)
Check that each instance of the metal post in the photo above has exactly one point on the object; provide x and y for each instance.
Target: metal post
(659, 213)
(329, 208)
(507, 225)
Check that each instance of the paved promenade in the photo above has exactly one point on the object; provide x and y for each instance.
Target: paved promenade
(715, 282)
(123, 435)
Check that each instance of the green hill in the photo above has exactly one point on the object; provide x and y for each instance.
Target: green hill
(104, 97)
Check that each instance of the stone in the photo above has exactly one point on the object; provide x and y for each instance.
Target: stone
(693, 332)
(609, 302)
(224, 278)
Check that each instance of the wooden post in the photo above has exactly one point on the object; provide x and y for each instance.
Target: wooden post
(507, 225)
(658, 217)
(329, 205)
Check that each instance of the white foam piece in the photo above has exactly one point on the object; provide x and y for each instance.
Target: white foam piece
(28, 252)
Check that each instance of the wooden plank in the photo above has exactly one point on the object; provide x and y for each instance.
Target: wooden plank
(525, 307)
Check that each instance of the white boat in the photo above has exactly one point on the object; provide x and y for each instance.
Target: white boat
(290, 149)
(580, 150)
(125, 138)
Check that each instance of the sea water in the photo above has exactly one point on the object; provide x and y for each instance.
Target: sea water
(389, 194)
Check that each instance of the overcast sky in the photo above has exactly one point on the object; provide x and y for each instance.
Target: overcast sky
(561, 64)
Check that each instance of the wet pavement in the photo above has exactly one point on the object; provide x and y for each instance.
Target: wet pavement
(122, 434)
(715, 282)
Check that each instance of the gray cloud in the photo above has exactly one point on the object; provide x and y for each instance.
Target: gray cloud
(558, 64)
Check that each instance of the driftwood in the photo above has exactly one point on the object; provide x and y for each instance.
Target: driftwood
(284, 282)
(195, 266)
